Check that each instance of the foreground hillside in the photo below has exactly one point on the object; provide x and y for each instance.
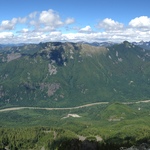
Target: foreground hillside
(71, 74)
(99, 127)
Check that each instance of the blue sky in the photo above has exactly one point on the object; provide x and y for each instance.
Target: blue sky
(34, 21)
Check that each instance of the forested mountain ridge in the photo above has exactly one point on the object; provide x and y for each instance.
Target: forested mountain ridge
(71, 74)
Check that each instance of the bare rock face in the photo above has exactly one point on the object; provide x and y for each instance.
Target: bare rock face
(13, 56)
(1, 92)
(52, 69)
(51, 88)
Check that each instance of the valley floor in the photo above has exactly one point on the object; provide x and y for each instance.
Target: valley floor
(70, 108)
(102, 125)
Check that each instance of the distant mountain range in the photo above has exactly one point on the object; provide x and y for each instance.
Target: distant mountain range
(142, 44)
(106, 44)
(9, 45)
(71, 74)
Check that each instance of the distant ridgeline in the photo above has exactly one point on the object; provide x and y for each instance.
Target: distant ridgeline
(70, 74)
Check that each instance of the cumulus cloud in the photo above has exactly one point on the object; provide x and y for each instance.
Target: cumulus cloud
(140, 22)
(21, 20)
(50, 18)
(4, 35)
(33, 15)
(69, 21)
(109, 24)
(24, 30)
(37, 26)
(86, 29)
(10, 24)
(48, 25)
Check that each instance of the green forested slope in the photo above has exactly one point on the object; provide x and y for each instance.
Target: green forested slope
(108, 126)
(71, 74)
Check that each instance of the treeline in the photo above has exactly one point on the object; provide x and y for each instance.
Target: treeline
(36, 138)
(33, 138)
(22, 138)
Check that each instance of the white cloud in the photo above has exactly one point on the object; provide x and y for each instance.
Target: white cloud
(33, 23)
(24, 30)
(10, 24)
(49, 26)
(5, 35)
(47, 21)
(33, 15)
(50, 18)
(69, 21)
(36, 37)
(86, 29)
(140, 22)
(55, 36)
(55, 33)
(21, 20)
(109, 24)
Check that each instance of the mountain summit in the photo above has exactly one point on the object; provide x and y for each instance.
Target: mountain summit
(70, 74)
